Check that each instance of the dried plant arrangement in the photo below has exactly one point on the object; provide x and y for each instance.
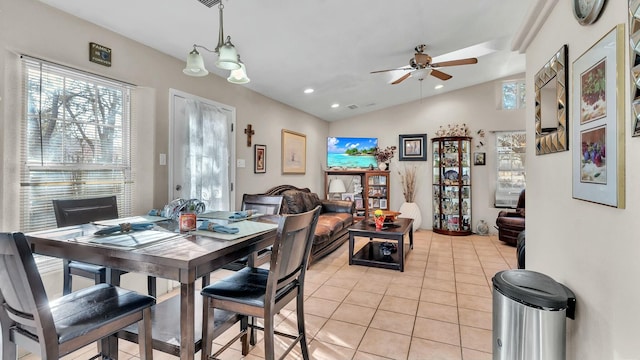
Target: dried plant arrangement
(408, 180)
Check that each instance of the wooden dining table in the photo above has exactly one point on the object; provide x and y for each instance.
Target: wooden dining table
(184, 258)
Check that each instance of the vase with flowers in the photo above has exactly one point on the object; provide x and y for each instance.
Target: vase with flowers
(409, 208)
(384, 155)
(378, 217)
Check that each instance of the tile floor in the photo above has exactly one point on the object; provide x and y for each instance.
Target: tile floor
(438, 308)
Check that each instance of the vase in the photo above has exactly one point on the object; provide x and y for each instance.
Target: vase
(412, 211)
(379, 221)
(483, 228)
(382, 166)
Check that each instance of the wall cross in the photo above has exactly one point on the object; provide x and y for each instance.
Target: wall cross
(249, 131)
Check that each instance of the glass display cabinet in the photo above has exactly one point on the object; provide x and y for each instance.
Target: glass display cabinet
(452, 185)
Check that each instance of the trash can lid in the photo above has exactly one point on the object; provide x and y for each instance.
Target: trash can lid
(532, 288)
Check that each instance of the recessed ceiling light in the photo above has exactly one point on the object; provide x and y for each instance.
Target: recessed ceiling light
(335, 105)
(439, 86)
(308, 91)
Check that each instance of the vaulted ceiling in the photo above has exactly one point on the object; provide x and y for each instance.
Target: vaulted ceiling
(331, 46)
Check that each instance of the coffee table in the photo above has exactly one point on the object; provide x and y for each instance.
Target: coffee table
(371, 254)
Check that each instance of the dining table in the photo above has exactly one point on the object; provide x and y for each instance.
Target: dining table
(184, 257)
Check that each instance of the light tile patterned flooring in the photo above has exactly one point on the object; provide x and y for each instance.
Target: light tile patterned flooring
(438, 308)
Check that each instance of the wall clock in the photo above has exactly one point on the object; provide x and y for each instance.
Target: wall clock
(587, 11)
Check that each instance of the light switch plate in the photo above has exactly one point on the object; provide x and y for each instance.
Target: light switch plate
(240, 163)
(163, 159)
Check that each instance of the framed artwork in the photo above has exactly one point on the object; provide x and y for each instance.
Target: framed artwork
(479, 158)
(259, 159)
(347, 196)
(294, 152)
(359, 203)
(598, 109)
(383, 204)
(412, 147)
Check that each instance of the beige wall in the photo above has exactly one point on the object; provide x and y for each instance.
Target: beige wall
(29, 27)
(477, 106)
(591, 248)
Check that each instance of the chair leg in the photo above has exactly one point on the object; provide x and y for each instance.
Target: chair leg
(244, 324)
(207, 334)
(66, 278)
(145, 340)
(254, 333)
(269, 338)
(151, 286)
(301, 329)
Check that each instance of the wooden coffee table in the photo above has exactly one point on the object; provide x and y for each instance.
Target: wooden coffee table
(371, 254)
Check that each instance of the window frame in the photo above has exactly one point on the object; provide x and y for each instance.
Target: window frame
(520, 94)
(507, 197)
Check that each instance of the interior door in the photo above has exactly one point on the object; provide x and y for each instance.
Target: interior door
(201, 151)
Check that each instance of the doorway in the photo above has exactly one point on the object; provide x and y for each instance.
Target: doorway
(201, 151)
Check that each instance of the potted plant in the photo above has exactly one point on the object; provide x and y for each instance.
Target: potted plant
(409, 208)
(384, 155)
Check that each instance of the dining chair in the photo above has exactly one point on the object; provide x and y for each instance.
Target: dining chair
(55, 328)
(263, 204)
(262, 293)
(81, 211)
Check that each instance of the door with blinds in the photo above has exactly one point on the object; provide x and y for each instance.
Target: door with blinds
(202, 151)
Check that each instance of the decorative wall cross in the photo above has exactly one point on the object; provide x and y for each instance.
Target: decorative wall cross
(249, 132)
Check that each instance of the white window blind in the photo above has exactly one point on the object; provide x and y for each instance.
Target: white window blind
(511, 156)
(76, 141)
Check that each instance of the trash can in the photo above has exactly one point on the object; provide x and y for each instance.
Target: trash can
(529, 311)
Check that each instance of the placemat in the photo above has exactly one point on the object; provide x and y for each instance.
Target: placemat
(225, 215)
(134, 239)
(245, 228)
(131, 219)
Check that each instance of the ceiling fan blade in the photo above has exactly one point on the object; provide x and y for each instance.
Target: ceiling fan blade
(440, 75)
(381, 71)
(401, 79)
(456, 62)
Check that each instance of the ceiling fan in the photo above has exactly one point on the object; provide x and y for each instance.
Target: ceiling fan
(420, 66)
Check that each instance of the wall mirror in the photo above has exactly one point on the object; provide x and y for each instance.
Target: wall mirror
(551, 105)
(634, 51)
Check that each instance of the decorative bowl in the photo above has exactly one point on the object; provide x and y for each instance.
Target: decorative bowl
(390, 216)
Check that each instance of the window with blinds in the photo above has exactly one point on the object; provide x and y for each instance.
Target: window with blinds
(511, 155)
(76, 141)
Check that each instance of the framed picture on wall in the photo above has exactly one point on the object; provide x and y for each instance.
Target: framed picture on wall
(412, 147)
(598, 130)
(479, 158)
(294, 152)
(259, 159)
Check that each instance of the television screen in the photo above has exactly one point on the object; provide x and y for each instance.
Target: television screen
(351, 152)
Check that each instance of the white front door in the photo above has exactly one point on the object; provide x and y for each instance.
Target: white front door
(201, 151)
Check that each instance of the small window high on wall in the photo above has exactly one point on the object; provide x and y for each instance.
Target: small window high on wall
(513, 94)
(511, 177)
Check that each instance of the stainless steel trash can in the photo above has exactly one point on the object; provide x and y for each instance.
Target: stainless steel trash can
(529, 311)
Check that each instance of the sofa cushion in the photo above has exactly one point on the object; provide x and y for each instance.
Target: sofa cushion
(310, 200)
(293, 202)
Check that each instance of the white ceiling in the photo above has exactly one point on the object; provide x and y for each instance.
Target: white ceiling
(329, 45)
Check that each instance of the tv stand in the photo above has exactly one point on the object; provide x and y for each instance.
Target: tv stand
(375, 189)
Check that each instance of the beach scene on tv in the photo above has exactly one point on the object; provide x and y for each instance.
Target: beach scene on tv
(351, 152)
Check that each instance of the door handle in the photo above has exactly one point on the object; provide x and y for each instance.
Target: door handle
(178, 187)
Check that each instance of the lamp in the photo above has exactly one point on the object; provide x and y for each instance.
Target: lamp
(336, 186)
(228, 57)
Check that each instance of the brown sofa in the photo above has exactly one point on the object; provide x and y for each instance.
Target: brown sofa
(511, 223)
(335, 217)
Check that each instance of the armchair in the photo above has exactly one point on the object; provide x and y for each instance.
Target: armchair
(511, 223)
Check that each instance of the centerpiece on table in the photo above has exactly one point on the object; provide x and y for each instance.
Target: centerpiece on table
(378, 217)
(384, 156)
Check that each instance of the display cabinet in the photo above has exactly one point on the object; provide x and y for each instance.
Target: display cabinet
(452, 185)
(376, 191)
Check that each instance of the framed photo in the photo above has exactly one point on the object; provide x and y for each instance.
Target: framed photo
(412, 147)
(294, 152)
(347, 196)
(383, 204)
(598, 133)
(259, 159)
(359, 203)
(479, 158)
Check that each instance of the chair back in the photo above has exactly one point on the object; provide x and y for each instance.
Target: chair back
(81, 211)
(521, 200)
(265, 204)
(25, 299)
(291, 250)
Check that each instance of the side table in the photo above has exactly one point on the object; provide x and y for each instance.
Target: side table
(371, 254)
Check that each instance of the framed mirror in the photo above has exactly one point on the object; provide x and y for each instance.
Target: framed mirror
(551, 105)
(634, 51)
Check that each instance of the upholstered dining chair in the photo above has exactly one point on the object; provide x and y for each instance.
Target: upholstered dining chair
(55, 328)
(81, 211)
(258, 292)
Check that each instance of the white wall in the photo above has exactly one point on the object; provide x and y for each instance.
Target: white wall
(591, 248)
(477, 106)
(32, 28)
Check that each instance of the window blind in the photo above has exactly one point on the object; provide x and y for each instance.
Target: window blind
(76, 140)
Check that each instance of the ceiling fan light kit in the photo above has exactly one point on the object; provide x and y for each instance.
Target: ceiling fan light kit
(420, 66)
(228, 58)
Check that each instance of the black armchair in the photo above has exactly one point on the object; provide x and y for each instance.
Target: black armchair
(511, 223)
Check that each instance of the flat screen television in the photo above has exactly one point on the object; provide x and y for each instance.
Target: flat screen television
(351, 152)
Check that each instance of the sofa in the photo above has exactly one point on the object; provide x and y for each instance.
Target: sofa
(511, 223)
(336, 216)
